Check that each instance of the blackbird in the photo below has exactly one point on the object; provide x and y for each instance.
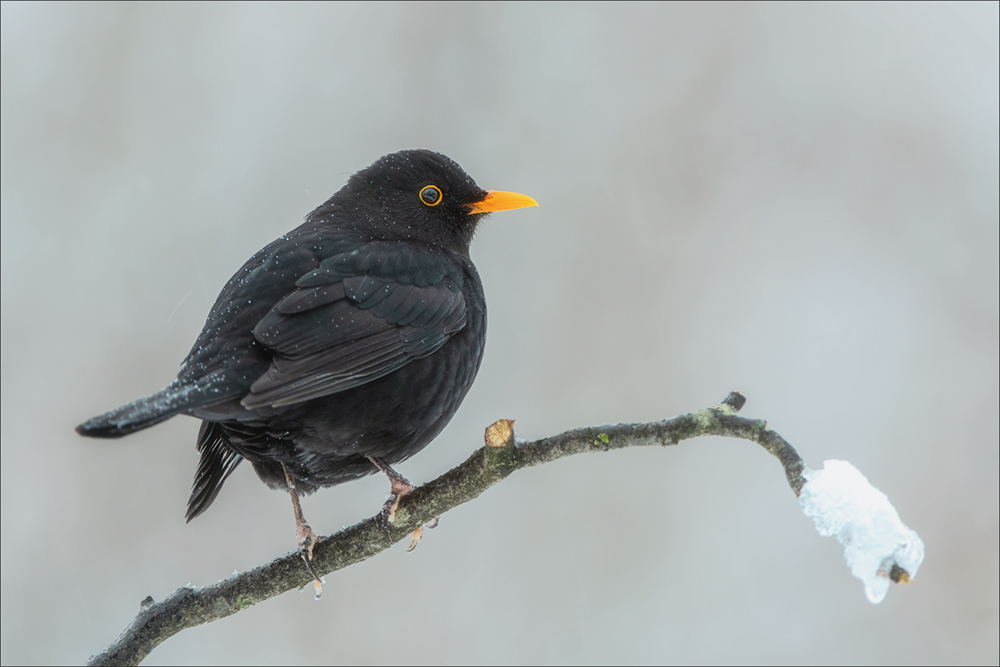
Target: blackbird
(344, 346)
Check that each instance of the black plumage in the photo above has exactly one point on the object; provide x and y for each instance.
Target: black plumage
(349, 341)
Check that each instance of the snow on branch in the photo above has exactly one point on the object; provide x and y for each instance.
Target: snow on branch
(878, 547)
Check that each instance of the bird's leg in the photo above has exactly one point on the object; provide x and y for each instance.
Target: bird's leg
(307, 538)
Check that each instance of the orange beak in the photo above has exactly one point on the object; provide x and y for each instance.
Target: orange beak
(501, 201)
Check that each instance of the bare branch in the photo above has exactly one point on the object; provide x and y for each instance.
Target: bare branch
(188, 607)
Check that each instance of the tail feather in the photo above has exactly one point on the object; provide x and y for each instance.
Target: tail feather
(147, 411)
(218, 461)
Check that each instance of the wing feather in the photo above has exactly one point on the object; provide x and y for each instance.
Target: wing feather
(354, 320)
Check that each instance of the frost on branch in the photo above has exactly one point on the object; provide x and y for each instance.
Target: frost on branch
(878, 547)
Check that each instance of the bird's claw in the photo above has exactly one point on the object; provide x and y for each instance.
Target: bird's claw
(419, 533)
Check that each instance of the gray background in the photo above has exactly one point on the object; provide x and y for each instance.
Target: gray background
(799, 202)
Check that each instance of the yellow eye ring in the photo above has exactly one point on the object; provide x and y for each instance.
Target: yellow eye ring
(431, 195)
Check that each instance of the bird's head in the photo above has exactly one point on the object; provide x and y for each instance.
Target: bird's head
(418, 196)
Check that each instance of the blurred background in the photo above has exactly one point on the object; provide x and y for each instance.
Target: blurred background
(799, 202)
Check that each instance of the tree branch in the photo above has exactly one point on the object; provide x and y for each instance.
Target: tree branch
(502, 455)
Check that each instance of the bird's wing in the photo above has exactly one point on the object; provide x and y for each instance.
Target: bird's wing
(358, 317)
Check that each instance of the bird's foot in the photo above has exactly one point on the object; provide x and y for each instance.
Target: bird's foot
(307, 538)
(307, 541)
(419, 533)
(399, 487)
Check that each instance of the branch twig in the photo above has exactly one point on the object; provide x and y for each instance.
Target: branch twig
(502, 455)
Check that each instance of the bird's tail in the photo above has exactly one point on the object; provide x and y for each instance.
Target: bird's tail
(147, 411)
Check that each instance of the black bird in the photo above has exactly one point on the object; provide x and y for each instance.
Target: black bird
(343, 347)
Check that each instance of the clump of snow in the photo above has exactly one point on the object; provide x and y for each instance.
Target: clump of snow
(842, 502)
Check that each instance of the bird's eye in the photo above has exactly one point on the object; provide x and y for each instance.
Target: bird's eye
(431, 195)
